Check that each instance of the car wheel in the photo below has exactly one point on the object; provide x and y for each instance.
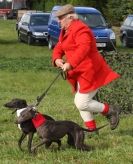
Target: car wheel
(50, 44)
(19, 37)
(29, 40)
(124, 41)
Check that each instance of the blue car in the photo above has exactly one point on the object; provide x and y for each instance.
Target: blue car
(33, 27)
(105, 37)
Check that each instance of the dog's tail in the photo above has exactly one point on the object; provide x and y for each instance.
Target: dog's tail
(97, 129)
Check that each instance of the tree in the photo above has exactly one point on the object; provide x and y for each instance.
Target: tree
(118, 10)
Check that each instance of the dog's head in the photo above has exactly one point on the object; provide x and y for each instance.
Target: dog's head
(27, 114)
(16, 104)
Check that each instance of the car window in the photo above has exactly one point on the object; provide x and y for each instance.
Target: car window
(93, 20)
(127, 21)
(131, 24)
(53, 18)
(25, 19)
(38, 20)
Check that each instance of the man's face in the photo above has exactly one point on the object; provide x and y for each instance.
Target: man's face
(63, 21)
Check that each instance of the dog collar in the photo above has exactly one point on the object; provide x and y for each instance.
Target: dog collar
(38, 120)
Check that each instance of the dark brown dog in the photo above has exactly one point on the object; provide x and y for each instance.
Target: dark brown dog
(27, 126)
(51, 131)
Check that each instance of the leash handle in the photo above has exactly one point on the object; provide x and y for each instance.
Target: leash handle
(63, 74)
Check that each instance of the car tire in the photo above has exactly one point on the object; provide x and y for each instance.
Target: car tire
(50, 44)
(29, 40)
(19, 37)
(124, 41)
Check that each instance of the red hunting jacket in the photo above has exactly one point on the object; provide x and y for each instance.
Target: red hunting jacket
(78, 46)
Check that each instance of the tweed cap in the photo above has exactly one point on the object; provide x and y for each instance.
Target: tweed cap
(66, 9)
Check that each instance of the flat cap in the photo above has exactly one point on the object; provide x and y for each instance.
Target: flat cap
(66, 9)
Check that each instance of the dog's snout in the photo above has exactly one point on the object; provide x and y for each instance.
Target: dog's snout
(5, 105)
(8, 105)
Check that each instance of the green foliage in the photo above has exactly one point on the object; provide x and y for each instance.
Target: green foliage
(119, 91)
(113, 10)
(118, 10)
(39, 5)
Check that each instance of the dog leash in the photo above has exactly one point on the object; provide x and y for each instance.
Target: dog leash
(39, 98)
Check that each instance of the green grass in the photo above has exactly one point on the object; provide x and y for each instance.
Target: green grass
(25, 72)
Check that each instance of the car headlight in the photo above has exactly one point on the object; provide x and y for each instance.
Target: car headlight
(37, 33)
(112, 35)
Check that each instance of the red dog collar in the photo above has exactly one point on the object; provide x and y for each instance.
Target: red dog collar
(38, 120)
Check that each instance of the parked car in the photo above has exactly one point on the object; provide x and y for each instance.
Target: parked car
(126, 32)
(33, 27)
(105, 37)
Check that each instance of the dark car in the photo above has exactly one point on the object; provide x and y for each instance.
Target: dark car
(33, 27)
(126, 32)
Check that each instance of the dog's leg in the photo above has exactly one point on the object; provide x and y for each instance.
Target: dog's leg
(21, 140)
(70, 140)
(47, 144)
(80, 141)
(30, 138)
(33, 150)
(59, 144)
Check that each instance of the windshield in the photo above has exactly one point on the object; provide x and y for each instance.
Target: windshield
(39, 20)
(93, 20)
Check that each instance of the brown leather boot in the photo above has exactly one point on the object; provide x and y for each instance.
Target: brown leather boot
(113, 116)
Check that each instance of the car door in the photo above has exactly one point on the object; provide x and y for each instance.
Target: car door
(130, 32)
(24, 27)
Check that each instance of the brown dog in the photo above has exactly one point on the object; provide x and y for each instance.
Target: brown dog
(51, 131)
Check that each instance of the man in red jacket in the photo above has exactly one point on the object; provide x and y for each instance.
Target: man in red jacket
(76, 53)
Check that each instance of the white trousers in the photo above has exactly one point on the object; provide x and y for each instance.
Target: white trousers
(86, 105)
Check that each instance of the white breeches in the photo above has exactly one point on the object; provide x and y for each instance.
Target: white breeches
(86, 105)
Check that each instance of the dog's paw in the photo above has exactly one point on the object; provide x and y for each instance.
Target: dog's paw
(33, 150)
(20, 148)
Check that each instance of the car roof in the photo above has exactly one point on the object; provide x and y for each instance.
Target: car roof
(130, 15)
(37, 13)
(81, 9)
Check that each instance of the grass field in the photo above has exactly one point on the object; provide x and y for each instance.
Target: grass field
(25, 72)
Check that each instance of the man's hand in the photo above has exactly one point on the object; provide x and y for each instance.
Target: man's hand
(66, 67)
(59, 62)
